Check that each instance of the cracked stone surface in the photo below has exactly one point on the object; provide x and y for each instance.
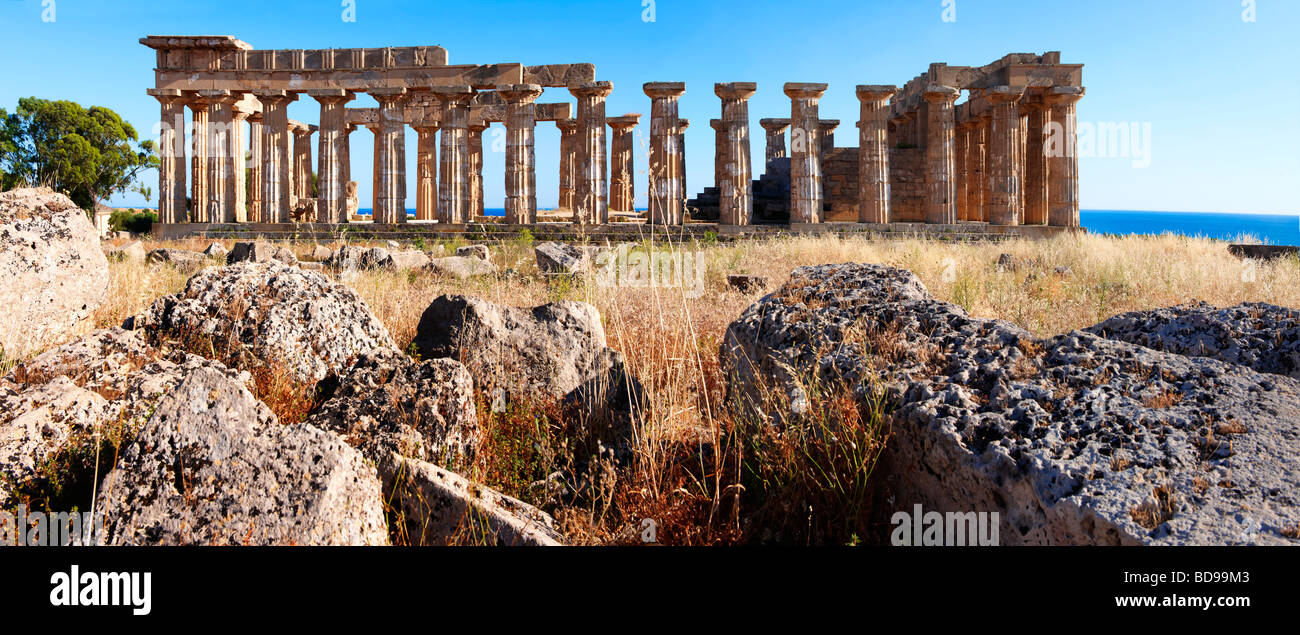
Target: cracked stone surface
(1073, 439)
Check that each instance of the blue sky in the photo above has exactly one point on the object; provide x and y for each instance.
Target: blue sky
(1218, 91)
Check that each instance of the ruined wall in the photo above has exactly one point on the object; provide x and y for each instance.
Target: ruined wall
(840, 185)
(907, 184)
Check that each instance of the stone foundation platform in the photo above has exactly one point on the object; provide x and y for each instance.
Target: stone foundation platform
(564, 231)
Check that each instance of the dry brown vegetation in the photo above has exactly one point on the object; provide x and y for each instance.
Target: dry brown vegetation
(707, 476)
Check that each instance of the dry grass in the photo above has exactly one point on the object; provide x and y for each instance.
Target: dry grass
(707, 476)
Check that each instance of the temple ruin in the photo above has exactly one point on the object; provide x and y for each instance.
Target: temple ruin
(1002, 161)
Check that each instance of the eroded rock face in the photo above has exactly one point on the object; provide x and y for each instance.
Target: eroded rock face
(1073, 439)
(1265, 337)
(212, 466)
(564, 258)
(111, 376)
(443, 508)
(475, 251)
(53, 273)
(460, 267)
(283, 314)
(547, 350)
(405, 260)
(179, 258)
(387, 402)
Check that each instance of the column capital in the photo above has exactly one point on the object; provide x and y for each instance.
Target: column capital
(827, 125)
(426, 126)
(388, 95)
(774, 125)
(1004, 94)
(477, 126)
(167, 95)
(519, 93)
(804, 90)
(1064, 94)
(663, 90)
(275, 96)
(591, 89)
(566, 125)
(938, 94)
(624, 122)
(450, 95)
(221, 96)
(332, 95)
(683, 124)
(875, 92)
(718, 124)
(735, 90)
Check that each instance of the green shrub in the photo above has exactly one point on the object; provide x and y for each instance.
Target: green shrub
(136, 223)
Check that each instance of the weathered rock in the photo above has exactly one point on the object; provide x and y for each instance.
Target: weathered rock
(281, 314)
(475, 251)
(564, 258)
(110, 376)
(1261, 336)
(130, 252)
(460, 267)
(286, 256)
(346, 257)
(216, 250)
(403, 260)
(555, 350)
(53, 273)
(312, 266)
(213, 466)
(373, 258)
(1264, 252)
(1073, 439)
(747, 283)
(386, 402)
(188, 261)
(36, 421)
(441, 508)
(321, 253)
(251, 252)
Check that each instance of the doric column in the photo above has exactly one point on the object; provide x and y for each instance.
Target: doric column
(475, 137)
(290, 139)
(940, 159)
(591, 189)
(256, 166)
(171, 156)
(736, 198)
(199, 137)
(223, 155)
(826, 135)
(622, 191)
(331, 181)
(985, 185)
(961, 170)
(1035, 163)
(873, 153)
(453, 186)
(1063, 157)
(682, 125)
(1004, 174)
(521, 156)
(390, 205)
(664, 191)
(568, 160)
(302, 160)
(426, 167)
(346, 160)
(805, 168)
(276, 173)
(719, 152)
(775, 129)
(239, 161)
(377, 137)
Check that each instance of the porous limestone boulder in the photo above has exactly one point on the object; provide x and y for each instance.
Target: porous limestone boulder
(133, 251)
(444, 508)
(405, 260)
(213, 466)
(1265, 337)
(181, 259)
(475, 251)
(216, 250)
(300, 319)
(36, 421)
(563, 258)
(259, 251)
(459, 267)
(321, 253)
(554, 351)
(387, 402)
(1073, 439)
(53, 273)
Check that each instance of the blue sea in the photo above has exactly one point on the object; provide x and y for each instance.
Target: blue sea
(1274, 229)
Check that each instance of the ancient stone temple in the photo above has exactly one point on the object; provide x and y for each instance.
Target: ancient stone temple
(977, 148)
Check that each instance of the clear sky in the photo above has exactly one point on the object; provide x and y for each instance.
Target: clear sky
(1216, 89)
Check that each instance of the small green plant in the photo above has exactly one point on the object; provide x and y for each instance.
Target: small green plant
(418, 243)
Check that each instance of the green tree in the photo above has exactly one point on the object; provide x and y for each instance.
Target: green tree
(87, 153)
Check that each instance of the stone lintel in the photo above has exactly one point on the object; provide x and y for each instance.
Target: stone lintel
(559, 75)
(487, 76)
(213, 42)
